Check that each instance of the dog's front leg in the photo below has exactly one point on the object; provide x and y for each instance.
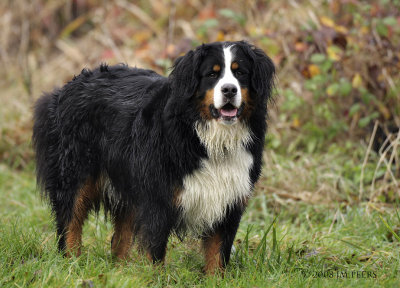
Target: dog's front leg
(218, 243)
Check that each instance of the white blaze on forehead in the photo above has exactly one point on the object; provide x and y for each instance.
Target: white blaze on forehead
(227, 78)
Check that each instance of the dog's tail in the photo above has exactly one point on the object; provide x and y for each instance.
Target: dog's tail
(45, 140)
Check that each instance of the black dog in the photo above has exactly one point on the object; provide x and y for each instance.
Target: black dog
(160, 154)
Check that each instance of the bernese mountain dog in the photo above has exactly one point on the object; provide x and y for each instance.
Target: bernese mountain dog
(162, 155)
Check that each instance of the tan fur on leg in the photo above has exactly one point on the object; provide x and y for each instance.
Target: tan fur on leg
(212, 253)
(123, 237)
(83, 203)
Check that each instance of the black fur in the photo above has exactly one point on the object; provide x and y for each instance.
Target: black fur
(136, 128)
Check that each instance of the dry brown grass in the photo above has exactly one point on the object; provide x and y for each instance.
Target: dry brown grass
(45, 42)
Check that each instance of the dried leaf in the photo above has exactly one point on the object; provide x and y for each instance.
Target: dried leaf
(357, 81)
(300, 46)
(333, 53)
(72, 26)
(335, 6)
(341, 29)
(364, 30)
(207, 12)
(313, 70)
(296, 123)
(142, 36)
(220, 36)
(328, 22)
(171, 50)
(383, 110)
(107, 54)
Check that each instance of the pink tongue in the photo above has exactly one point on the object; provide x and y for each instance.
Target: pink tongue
(229, 113)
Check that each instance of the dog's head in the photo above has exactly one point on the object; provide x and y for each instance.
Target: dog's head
(226, 80)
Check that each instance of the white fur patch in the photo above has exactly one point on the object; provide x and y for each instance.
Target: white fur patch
(228, 78)
(222, 179)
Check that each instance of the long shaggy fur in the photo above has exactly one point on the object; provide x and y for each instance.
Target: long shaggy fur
(136, 143)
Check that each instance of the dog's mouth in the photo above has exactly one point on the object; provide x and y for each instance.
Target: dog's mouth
(227, 113)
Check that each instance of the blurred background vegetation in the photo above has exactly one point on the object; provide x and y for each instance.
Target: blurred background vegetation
(334, 126)
(329, 189)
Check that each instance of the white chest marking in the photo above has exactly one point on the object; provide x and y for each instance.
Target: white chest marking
(222, 179)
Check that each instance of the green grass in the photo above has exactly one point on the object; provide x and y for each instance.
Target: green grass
(279, 244)
(317, 216)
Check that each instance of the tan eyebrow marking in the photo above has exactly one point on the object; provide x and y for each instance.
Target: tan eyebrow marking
(216, 68)
(234, 66)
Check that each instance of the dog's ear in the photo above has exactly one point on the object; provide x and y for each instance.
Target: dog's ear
(263, 75)
(184, 77)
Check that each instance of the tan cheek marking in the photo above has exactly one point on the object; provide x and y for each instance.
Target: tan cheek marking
(212, 253)
(248, 108)
(205, 104)
(234, 66)
(216, 68)
(245, 95)
(83, 203)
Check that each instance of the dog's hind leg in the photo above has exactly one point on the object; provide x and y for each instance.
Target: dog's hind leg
(84, 201)
(123, 235)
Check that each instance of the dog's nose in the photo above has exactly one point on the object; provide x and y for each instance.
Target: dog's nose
(228, 90)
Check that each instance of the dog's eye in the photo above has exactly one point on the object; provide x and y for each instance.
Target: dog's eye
(212, 75)
(238, 73)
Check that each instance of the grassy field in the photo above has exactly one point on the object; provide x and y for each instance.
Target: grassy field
(325, 212)
(281, 242)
